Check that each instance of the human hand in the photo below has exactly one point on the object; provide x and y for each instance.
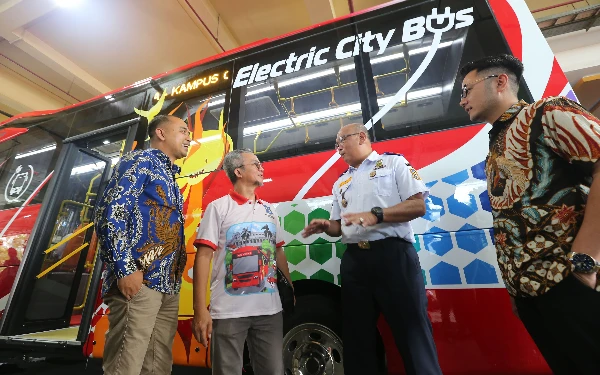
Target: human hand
(364, 219)
(131, 285)
(316, 226)
(202, 326)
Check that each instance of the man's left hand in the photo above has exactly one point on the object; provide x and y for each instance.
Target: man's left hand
(364, 219)
(588, 279)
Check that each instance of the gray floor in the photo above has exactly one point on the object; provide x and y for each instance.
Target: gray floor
(79, 367)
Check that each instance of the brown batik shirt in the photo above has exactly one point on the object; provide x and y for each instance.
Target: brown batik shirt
(539, 171)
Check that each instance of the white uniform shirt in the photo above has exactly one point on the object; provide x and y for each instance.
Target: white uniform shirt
(380, 181)
(244, 235)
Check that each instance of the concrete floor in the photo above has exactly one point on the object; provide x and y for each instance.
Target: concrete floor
(55, 367)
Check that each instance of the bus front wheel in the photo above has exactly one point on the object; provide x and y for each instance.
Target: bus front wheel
(312, 343)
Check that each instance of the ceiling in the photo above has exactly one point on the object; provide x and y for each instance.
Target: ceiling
(52, 56)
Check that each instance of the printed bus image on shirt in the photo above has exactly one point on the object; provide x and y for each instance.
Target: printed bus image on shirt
(250, 259)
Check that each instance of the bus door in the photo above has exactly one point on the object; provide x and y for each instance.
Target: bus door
(60, 271)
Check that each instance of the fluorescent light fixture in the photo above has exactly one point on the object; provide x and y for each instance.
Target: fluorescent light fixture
(67, 3)
(141, 82)
(333, 112)
(212, 138)
(400, 55)
(342, 68)
(43, 149)
(106, 141)
(216, 102)
(91, 167)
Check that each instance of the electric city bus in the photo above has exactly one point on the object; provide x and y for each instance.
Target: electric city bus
(392, 68)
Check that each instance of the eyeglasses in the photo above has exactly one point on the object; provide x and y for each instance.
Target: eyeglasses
(465, 90)
(341, 139)
(257, 164)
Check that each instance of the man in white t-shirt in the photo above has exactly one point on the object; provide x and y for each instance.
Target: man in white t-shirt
(241, 234)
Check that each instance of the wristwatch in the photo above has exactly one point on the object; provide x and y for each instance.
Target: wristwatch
(378, 212)
(583, 263)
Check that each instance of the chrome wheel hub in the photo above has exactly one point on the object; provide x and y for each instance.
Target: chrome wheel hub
(312, 349)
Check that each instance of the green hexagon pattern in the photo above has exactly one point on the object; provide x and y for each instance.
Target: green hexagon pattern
(294, 222)
(340, 248)
(319, 213)
(320, 253)
(295, 254)
(322, 275)
(295, 275)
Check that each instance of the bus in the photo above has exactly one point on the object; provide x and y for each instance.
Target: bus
(249, 268)
(393, 68)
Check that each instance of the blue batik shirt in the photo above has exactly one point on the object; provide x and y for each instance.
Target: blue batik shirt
(139, 222)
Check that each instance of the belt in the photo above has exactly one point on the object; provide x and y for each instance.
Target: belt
(367, 245)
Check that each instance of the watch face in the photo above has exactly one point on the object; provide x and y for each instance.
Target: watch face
(583, 263)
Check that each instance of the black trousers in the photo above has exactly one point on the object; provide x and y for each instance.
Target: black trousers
(385, 278)
(565, 325)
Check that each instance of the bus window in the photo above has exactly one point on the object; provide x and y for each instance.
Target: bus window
(432, 102)
(304, 99)
(29, 159)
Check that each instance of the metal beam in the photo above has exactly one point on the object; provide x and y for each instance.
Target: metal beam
(210, 24)
(24, 96)
(15, 15)
(319, 10)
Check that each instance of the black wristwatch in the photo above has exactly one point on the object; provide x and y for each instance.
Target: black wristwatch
(378, 212)
(583, 263)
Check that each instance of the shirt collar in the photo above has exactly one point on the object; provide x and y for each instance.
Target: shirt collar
(506, 118)
(240, 199)
(175, 169)
(511, 113)
(373, 156)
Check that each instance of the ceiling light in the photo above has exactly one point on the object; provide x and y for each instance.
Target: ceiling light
(43, 149)
(333, 112)
(106, 141)
(67, 3)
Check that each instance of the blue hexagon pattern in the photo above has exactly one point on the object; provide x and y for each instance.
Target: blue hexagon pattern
(480, 272)
(471, 239)
(478, 171)
(457, 178)
(439, 243)
(464, 208)
(484, 198)
(435, 208)
(444, 274)
(434, 230)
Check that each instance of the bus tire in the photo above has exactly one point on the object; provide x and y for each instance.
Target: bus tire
(312, 341)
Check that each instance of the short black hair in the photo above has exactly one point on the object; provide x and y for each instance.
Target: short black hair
(499, 64)
(156, 122)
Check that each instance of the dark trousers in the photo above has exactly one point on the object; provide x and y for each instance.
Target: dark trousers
(385, 278)
(565, 325)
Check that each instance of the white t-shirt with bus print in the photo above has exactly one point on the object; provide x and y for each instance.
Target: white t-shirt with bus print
(244, 235)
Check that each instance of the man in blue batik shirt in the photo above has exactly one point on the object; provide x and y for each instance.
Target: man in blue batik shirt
(140, 223)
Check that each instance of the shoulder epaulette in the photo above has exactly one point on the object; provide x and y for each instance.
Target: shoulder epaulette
(344, 172)
(392, 153)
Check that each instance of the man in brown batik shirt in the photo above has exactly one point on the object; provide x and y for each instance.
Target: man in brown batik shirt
(543, 171)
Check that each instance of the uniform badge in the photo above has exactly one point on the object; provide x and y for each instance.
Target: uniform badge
(379, 164)
(413, 172)
(372, 174)
(344, 203)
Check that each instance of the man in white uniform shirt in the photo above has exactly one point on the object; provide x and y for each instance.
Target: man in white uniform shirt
(373, 201)
(241, 234)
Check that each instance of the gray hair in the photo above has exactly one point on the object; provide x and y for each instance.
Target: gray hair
(234, 160)
(360, 128)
